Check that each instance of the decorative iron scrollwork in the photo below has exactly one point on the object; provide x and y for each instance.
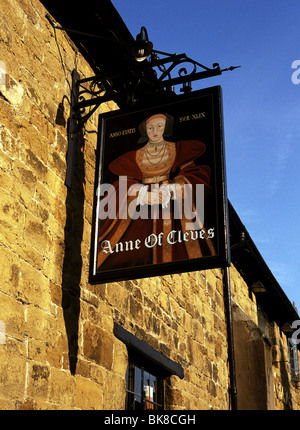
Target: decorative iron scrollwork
(155, 74)
(91, 93)
(142, 78)
(199, 71)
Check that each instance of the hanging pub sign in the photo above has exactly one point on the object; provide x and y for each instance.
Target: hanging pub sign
(160, 204)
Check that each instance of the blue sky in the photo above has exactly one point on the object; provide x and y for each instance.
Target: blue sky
(261, 107)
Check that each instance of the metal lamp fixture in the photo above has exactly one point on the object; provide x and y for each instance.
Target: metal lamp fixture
(258, 287)
(142, 48)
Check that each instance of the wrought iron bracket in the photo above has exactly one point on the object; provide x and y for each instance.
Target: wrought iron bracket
(155, 75)
(199, 71)
(152, 75)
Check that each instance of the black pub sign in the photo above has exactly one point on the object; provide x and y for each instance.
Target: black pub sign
(160, 204)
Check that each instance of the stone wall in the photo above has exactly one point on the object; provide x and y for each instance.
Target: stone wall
(57, 346)
(59, 349)
(269, 362)
(45, 229)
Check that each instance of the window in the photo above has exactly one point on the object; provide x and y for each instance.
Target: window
(146, 372)
(293, 357)
(144, 390)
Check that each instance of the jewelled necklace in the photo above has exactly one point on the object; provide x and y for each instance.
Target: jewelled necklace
(163, 149)
(155, 148)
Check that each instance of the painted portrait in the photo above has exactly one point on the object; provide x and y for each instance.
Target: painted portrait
(157, 195)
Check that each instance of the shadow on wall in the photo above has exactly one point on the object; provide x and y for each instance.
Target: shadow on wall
(72, 265)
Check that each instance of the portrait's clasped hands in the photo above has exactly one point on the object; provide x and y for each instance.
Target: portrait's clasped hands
(156, 194)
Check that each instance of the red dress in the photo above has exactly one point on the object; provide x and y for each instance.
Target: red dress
(126, 242)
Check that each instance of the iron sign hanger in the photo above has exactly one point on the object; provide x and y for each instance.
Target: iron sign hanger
(147, 72)
(91, 92)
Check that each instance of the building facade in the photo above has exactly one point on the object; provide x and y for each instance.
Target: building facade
(193, 341)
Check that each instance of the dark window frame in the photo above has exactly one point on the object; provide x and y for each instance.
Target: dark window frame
(144, 357)
(144, 387)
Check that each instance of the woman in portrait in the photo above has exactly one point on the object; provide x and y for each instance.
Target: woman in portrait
(156, 178)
